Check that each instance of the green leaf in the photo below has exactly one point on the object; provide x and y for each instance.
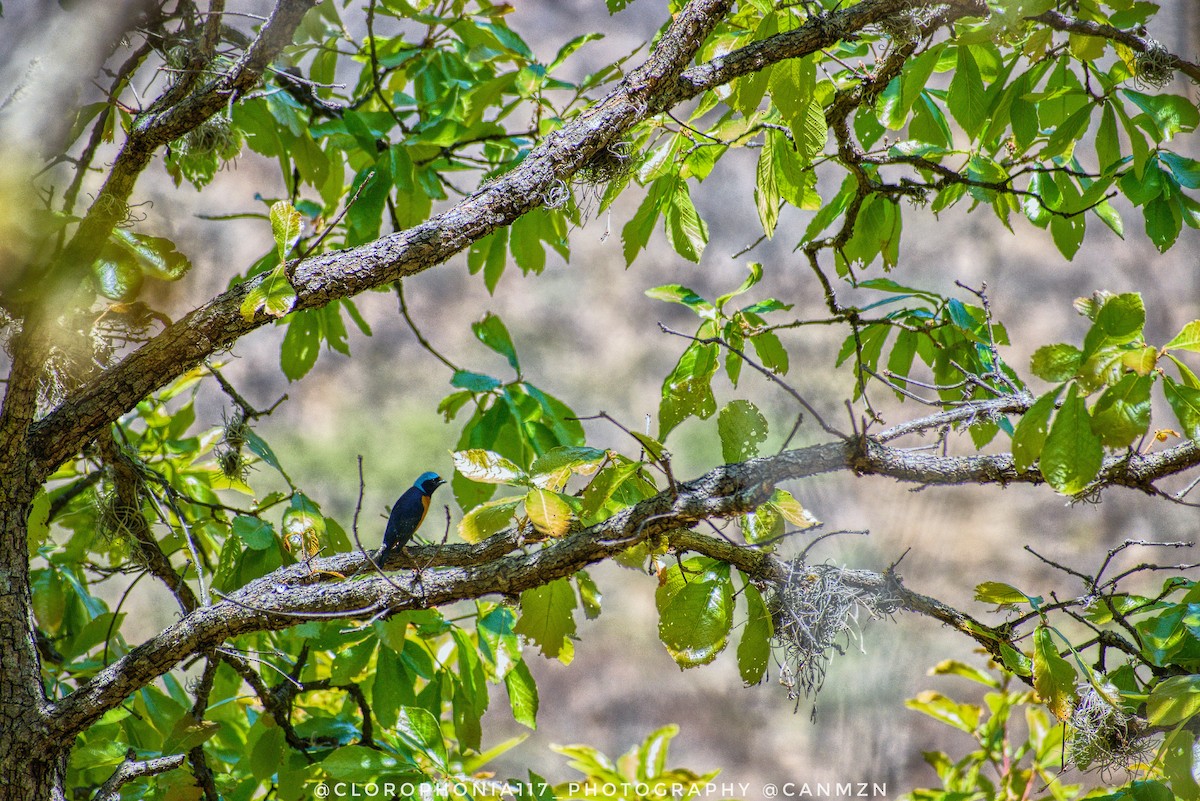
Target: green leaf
(687, 391)
(1188, 338)
(39, 522)
(488, 467)
(589, 594)
(489, 254)
(548, 620)
(492, 332)
(1122, 317)
(1179, 758)
(272, 294)
(570, 47)
(1062, 142)
(763, 525)
(1072, 455)
(488, 518)
(1174, 700)
(1122, 414)
(636, 233)
(1067, 233)
(474, 382)
(756, 274)
(1029, 437)
(766, 191)
(964, 717)
(966, 98)
(953, 667)
(116, 280)
(601, 488)
(676, 293)
(754, 649)
(791, 510)
(355, 763)
(1108, 147)
(1164, 221)
(695, 607)
(365, 215)
(549, 513)
(1056, 363)
(1053, 676)
(686, 232)
(499, 646)
(1185, 170)
(286, 225)
(771, 352)
(522, 695)
(268, 753)
(1185, 402)
(301, 345)
(420, 729)
(1171, 114)
(742, 429)
(1109, 216)
(153, 255)
(257, 534)
(995, 592)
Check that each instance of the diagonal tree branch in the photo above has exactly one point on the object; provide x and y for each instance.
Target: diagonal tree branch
(818, 33)
(293, 594)
(217, 324)
(290, 595)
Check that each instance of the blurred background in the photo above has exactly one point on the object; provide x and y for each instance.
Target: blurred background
(586, 333)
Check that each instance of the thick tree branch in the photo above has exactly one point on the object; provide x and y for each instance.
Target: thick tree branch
(817, 34)
(293, 594)
(1142, 44)
(219, 323)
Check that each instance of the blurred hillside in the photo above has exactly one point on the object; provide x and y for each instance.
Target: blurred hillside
(587, 333)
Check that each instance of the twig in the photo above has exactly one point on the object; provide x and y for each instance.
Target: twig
(337, 218)
(770, 375)
(249, 411)
(399, 287)
(829, 534)
(662, 461)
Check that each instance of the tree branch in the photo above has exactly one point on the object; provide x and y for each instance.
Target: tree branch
(496, 566)
(279, 599)
(219, 323)
(1061, 22)
(131, 769)
(817, 34)
(164, 123)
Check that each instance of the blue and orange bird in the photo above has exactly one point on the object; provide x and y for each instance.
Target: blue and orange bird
(408, 514)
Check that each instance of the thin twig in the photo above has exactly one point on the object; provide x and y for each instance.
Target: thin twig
(770, 375)
(399, 287)
(337, 218)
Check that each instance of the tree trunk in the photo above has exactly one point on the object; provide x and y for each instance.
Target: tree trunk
(26, 771)
(25, 779)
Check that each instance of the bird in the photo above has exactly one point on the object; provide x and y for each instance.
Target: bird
(408, 513)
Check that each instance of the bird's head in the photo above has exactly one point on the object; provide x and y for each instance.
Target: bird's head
(428, 482)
